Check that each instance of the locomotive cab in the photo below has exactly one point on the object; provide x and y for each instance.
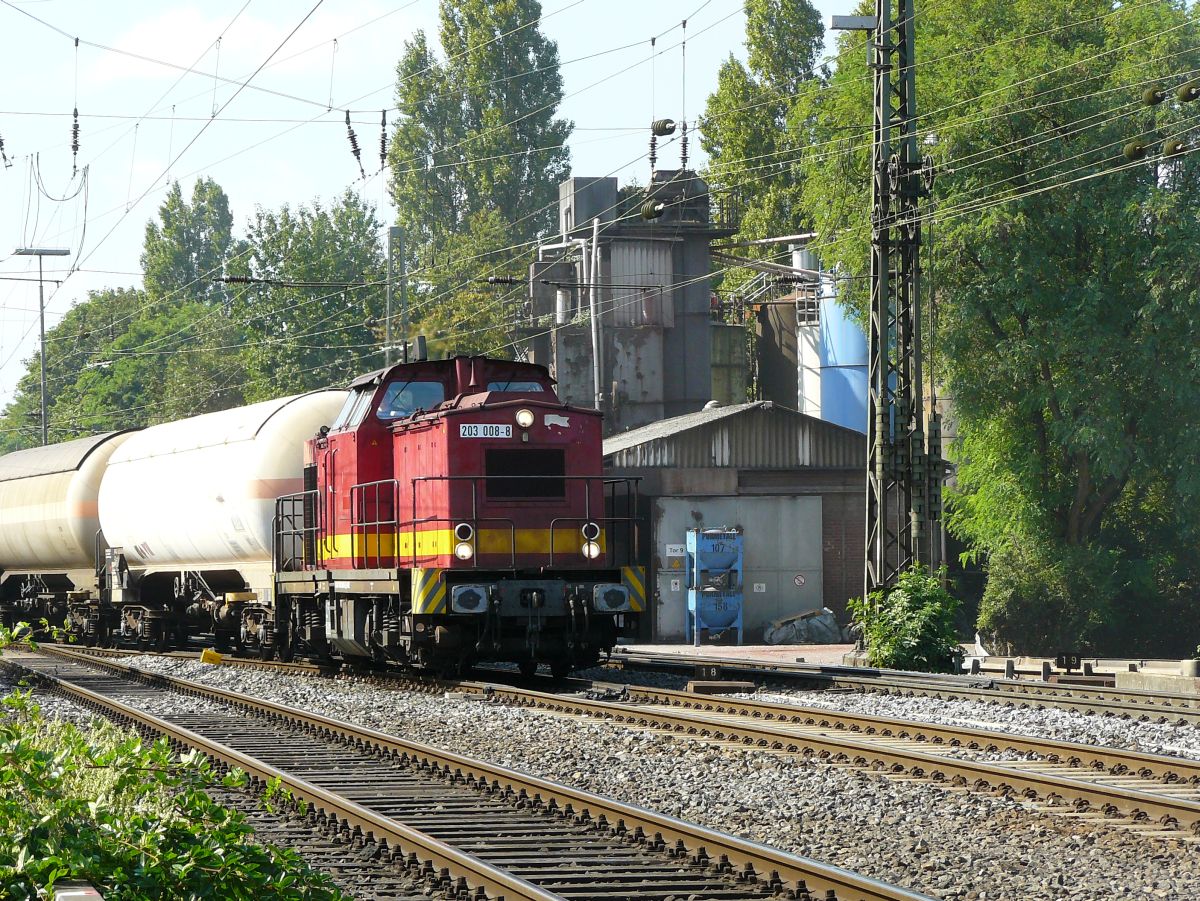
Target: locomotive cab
(455, 512)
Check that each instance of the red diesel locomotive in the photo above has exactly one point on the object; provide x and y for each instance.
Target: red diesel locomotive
(455, 512)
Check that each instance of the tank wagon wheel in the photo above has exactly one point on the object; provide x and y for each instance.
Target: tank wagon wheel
(560, 668)
(527, 668)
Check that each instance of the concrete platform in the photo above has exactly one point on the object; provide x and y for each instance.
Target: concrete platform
(774, 653)
(1164, 683)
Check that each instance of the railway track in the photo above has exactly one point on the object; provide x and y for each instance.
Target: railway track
(1147, 792)
(469, 827)
(1137, 705)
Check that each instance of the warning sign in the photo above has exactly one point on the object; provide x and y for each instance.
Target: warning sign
(799, 580)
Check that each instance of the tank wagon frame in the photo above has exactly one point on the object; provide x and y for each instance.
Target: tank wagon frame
(452, 512)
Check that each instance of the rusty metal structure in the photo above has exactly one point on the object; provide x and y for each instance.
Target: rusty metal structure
(904, 467)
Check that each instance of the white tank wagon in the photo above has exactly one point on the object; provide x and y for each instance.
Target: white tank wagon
(48, 524)
(187, 508)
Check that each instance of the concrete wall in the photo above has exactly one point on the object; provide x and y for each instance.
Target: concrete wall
(783, 541)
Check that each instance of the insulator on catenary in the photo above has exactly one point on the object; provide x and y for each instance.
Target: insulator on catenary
(354, 145)
(383, 140)
(3, 155)
(1153, 96)
(662, 127)
(1188, 92)
(652, 209)
(75, 141)
(1173, 147)
(1134, 151)
(683, 147)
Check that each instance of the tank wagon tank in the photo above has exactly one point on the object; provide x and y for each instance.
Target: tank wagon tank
(186, 511)
(49, 525)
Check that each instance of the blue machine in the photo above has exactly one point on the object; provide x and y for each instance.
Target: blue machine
(714, 584)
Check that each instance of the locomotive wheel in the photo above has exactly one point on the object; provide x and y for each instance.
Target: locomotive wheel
(527, 668)
(287, 641)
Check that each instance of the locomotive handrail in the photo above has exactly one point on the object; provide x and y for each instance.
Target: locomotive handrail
(632, 497)
(288, 522)
(372, 499)
(362, 525)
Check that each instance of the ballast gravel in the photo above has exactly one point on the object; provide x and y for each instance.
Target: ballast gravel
(1041, 722)
(948, 843)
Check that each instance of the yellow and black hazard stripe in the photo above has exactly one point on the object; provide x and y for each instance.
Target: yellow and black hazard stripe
(634, 579)
(428, 591)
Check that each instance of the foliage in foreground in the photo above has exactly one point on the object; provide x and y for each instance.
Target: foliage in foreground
(910, 627)
(132, 819)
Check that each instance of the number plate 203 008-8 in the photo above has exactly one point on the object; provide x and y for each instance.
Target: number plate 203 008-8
(483, 430)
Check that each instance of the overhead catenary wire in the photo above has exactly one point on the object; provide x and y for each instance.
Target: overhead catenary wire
(527, 24)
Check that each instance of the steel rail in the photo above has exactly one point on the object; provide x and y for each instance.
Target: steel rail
(752, 860)
(1117, 761)
(1169, 810)
(1132, 703)
(477, 873)
(783, 720)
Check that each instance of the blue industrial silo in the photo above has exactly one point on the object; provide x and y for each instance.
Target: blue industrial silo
(843, 350)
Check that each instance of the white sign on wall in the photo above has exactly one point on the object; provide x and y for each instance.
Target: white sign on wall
(675, 583)
(760, 587)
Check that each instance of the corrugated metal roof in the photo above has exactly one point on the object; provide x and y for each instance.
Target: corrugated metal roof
(41, 461)
(759, 435)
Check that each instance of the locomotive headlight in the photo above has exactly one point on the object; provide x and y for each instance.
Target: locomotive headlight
(464, 551)
(591, 549)
(591, 531)
(611, 598)
(524, 418)
(463, 531)
(469, 599)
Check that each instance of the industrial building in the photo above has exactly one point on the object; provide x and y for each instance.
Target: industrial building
(792, 483)
(624, 315)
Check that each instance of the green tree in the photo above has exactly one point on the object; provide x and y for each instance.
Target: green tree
(479, 143)
(1066, 288)
(750, 129)
(186, 249)
(78, 347)
(300, 338)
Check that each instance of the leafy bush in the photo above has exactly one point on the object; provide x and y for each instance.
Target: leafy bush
(911, 626)
(132, 819)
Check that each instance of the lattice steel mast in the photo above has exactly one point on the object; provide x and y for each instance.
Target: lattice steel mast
(904, 466)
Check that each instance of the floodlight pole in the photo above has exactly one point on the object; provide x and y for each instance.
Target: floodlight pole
(40, 252)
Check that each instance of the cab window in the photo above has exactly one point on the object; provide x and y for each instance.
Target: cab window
(405, 398)
(352, 410)
(524, 387)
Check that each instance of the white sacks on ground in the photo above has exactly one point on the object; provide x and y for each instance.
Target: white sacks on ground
(810, 627)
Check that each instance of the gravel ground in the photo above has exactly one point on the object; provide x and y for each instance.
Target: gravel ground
(1062, 725)
(950, 844)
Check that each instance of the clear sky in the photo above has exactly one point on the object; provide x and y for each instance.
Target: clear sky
(283, 138)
